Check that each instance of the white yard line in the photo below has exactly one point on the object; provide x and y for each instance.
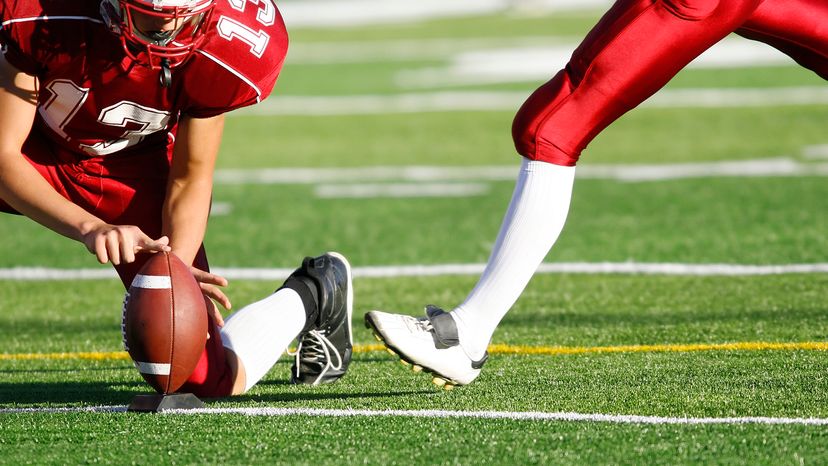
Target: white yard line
(443, 414)
(504, 64)
(219, 209)
(742, 97)
(351, 13)
(467, 101)
(380, 104)
(475, 60)
(393, 271)
(818, 152)
(402, 50)
(512, 415)
(399, 190)
(771, 167)
(366, 174)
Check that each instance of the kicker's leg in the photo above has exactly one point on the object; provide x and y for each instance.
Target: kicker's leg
(632, 52)
(635, 49)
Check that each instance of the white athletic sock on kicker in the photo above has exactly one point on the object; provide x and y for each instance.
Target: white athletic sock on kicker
(536, 216)
(260, 332)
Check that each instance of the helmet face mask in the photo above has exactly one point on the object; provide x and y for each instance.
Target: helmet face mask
(158, 33)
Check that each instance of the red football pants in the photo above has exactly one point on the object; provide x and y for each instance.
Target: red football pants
(127, 190)
(637, 47)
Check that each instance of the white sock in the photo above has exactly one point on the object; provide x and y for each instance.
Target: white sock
(535, 218)
(260, 332)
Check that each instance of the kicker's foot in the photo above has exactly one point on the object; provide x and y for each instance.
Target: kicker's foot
(428, 344)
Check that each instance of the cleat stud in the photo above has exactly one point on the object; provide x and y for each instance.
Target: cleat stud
(416, 368)
(449, 387)
(438, 381)
(377, 337)
(405, 363)
(390, 352)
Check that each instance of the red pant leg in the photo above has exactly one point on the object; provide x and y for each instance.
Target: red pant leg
(634, 50)
(212, 377)
(798, 28)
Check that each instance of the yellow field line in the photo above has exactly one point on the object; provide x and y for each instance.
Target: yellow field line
(94, 355)
(678, 348)
(508, 349)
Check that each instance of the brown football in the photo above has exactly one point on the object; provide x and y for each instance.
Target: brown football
(164, 322)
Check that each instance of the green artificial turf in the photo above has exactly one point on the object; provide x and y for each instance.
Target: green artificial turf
(738, 220)
(672, 135)
(729, 220)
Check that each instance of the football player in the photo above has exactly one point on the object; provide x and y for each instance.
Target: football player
(111, 115)
(634, 50)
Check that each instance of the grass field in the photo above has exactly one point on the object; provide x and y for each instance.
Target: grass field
(578, 357)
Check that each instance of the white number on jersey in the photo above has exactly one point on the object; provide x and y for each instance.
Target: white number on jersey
(267, 12)
(230, 29)
(67, 98)
(148, 120)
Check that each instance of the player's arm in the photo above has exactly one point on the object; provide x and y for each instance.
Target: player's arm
(22, 187)
(189, 192)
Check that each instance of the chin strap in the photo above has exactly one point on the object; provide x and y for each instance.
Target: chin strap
(165, 76)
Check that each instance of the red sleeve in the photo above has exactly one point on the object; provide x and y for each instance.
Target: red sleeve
(16, 36)
(230, 70)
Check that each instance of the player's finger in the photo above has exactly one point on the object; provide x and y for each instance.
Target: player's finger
(223, 299)
(214, 312)
(100, 249)
(216, 294)
(162, 244)
(147, 244)
(217, 316)
(206, 277)
(113, 247)
(127, 249)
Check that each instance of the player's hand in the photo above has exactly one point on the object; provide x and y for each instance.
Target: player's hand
(119, 243)
(210, 283)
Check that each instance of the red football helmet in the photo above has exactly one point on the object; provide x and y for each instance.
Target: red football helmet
(158, 33)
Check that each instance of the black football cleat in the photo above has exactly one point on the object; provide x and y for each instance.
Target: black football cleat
(324, 349)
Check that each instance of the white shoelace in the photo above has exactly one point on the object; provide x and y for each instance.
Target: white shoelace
(317, 349)
(423, 324)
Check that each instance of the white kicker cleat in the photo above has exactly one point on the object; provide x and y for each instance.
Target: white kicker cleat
(429, 344)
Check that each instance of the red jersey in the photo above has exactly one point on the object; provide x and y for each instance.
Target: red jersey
(95, 101)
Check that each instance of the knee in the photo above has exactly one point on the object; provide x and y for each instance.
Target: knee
(691, 10)
(533, 136)
(531, 143)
